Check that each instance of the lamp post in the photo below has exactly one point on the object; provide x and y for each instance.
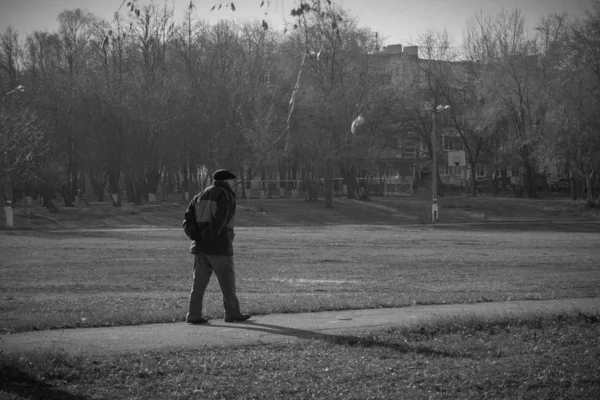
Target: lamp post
(8, 211)
(434, 205)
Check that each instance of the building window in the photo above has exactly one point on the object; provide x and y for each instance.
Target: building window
(447, 142)
(452, 170)
(452, 143)
(480, 170)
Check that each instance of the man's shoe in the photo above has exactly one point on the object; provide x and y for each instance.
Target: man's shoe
(196, 321)
(237, 319)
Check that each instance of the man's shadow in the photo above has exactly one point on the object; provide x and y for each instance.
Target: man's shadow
(344, 340)
(26, 386)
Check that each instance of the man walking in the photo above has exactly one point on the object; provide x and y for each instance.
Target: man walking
(209, 223)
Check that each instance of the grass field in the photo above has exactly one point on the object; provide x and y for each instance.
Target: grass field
(295, 256)
(467, 358)
(297, 212)
(60, 279)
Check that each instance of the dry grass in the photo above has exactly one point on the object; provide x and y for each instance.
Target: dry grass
(74, 278)
(71, 279)
(538, 357)
(288, 212)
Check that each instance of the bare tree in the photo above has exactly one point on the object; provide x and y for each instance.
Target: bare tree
(573, 141)
(23, 147)
(75, 33)
(109, 95)
(515, 78)
(10, 56)
(343, 80)
(152, 92)
(423, 84)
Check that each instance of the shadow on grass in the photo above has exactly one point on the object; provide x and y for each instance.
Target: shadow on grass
(13, 380)
(344, 340)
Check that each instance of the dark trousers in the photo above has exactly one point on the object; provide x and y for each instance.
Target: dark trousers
(204, 265)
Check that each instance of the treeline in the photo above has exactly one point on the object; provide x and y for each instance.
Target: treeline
(147, 101)
(517, 99)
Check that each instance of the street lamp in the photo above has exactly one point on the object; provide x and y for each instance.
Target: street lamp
(8, 211)
(434, 205)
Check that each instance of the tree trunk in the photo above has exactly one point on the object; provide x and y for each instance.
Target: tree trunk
(101, 187)
(68, 193)
(141, 189)
(98, 182)
(440, 184)
(47, 201)
(134, 183)
(177, 181)
(135, 188)
(367, 187)
(75, 183)
(329, 193)
(164, 178)
(529, 180)
(591, 189)
(206, 181)
(194, 181)
(350, 183)
(243, 182)
(249, 178)
(361, 188)
(328, 186)
(573, 184)
(152, 181)
(83, 183)
(114, 175)
(129, 188)
(474, 180)
(185, 184)
(295, 184)
(309, 184)
(27, 189)
(64, 192)
(282, 176)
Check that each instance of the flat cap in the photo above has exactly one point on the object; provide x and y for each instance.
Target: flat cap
(223, 175)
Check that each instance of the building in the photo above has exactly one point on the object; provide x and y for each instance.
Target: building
(412, 151)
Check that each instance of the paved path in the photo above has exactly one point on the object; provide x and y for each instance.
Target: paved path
(269, 328)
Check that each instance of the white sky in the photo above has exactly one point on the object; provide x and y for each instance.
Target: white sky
(397, 21)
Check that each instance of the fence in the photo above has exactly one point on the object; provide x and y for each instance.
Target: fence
(286, 188)
(383, 186)
(394, 186)
(270, 188)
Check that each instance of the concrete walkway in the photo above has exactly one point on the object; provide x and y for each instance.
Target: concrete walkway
(270, 328)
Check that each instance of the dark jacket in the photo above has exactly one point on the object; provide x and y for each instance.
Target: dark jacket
(209, 220)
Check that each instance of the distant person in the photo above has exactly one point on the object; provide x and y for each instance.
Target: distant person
(209, 223)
